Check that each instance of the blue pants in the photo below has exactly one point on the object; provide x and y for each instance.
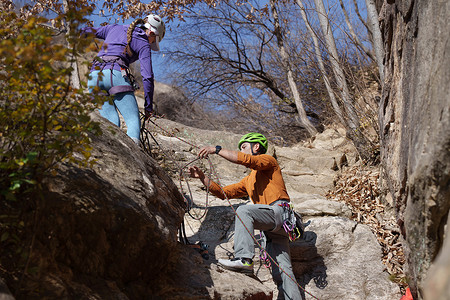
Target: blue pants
(270, 220)
(125, 102)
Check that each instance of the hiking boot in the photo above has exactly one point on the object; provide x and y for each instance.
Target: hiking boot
(241, 265)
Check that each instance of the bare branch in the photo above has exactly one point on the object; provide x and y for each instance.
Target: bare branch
(355, 38)
(360, 18)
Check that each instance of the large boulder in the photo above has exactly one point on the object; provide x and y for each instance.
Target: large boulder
(414, 120)
(309, 170)
(106, 230)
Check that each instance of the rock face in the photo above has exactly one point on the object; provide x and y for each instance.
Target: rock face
(415, 120)
(338, 260)
(106, 231)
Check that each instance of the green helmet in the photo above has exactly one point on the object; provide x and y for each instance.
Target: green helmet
(254, 137)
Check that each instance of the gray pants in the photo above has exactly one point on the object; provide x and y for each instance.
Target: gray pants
(269, 219)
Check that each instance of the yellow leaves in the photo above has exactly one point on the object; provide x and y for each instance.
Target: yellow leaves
(20, 163)
(6, 47)
(59, 53)
(39, 111)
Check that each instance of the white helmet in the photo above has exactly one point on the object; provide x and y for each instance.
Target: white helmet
(156, 25)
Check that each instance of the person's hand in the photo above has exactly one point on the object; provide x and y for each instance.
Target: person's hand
(148, 114)
(205, 151)
(195, 172)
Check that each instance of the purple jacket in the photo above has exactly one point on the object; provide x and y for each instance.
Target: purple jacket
(115, 37)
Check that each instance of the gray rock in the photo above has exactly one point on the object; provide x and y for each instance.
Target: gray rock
(113, 222)
(437, 284)
(322, 207)
(340, 259)
(414, 120)
(5, 294)
(330, 139)
(308, 170)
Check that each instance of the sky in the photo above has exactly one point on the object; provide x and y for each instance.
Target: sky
(161, 62)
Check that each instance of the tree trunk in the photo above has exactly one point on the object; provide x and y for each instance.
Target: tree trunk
(333, 100)
(374, 25)
(303, 118)
(352, 120)
(74, 76)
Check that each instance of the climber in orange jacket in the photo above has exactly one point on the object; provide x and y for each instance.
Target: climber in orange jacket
(265, 187)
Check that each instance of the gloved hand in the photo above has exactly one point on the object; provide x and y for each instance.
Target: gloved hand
(148, 114)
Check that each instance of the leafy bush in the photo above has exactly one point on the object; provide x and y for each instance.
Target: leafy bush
(43, 119)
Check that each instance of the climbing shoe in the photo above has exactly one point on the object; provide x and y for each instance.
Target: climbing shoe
(241, 265)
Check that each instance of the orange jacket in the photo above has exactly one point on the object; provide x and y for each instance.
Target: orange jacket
(263, 185)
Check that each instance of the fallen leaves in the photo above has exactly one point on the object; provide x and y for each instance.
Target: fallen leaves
(358, 187)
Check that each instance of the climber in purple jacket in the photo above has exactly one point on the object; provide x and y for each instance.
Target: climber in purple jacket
(124, 45)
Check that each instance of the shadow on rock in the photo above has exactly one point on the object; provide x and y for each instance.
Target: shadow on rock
(307, 263)
(215, 230)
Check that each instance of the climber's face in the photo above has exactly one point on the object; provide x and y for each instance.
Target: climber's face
(246, 148)
(151, 36)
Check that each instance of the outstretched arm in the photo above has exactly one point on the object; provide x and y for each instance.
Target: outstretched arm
(235, 190)
(195, 172)
(229, 155)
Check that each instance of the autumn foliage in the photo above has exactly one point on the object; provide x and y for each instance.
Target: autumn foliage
(44, 120)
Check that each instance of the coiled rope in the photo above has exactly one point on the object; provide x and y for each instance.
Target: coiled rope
(146, 132)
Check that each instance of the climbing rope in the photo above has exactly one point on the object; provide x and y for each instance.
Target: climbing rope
(191, 205)
(213, 172)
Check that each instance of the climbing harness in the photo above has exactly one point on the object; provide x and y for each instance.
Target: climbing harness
(124, 69)
(292, 223)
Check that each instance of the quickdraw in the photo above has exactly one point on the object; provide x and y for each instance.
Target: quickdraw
(292, 224)
(124, 69)
(265, 258)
